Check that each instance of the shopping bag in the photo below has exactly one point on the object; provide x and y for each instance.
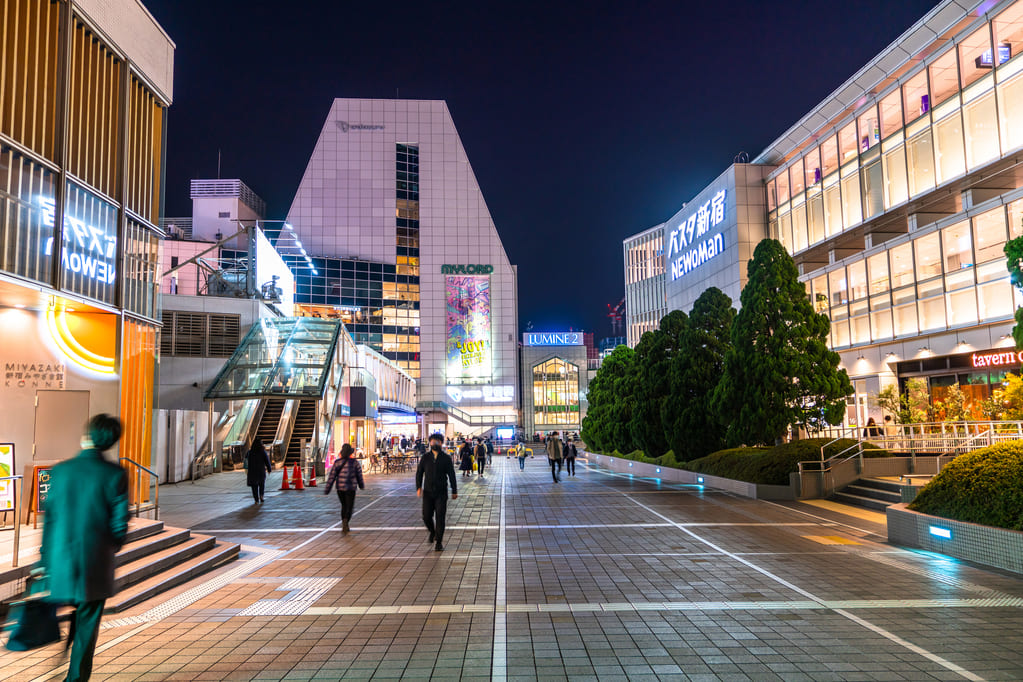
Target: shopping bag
(35, 620)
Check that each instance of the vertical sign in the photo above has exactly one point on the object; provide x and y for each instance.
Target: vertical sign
(6, 469)
(468, 321)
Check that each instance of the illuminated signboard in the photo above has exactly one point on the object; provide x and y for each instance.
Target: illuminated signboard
(470, 269)
(996, 359)
(89, 251)
(695, 241)
(468, 353)
(552, 339)
(488, 394)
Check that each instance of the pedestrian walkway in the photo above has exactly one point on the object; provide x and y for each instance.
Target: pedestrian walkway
(602, 576)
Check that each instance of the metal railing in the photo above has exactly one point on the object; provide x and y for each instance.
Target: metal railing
(138, 488)
(18, 493)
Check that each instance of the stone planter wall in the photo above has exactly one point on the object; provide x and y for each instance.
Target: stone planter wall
(995, 547)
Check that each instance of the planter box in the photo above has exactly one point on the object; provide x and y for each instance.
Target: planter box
(985, 545)
(753, 491)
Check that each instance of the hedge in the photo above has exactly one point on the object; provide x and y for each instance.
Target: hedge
(984, 486)
(772, 466)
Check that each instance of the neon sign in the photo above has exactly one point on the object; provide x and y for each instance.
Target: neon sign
(488, 394)
(552, 339)
(88, 250)
(470, 269)
(683, 239)
(996, 359)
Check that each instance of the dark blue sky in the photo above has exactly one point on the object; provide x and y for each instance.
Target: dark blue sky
(584, 122)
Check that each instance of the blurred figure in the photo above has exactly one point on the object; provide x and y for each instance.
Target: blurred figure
(570, 454)
(465, 459)
(520, 452)
(86, 523)
(554, 454)
(347, 475)
(481, 456)
(257, 467)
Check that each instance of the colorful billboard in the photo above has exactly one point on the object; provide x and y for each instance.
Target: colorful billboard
(7, 490)
(468, 316)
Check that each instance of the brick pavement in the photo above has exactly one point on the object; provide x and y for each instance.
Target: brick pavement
(602, 576)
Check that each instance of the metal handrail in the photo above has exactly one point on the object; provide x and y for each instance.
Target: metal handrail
(19, 492)
(138, 488)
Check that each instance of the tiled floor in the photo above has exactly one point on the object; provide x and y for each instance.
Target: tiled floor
(601, 576)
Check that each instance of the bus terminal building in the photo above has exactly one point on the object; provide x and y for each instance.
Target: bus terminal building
(895, 197)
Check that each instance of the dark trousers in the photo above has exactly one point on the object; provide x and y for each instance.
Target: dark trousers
(347, 500)
(555, 468)
(481, 464)
(85, 624)
(258, 490)
(522, 463)
(435, 508)
(570, 466)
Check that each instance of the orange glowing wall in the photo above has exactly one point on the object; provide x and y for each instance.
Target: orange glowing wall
(138, 365)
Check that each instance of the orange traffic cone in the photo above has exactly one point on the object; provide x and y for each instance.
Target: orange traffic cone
(312, 477)
(296, 479)
(284, 478)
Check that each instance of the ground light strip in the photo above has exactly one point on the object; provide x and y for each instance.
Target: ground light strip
(499, 658)
(842, 612)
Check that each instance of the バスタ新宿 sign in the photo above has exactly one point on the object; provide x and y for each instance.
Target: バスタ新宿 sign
(696, 239)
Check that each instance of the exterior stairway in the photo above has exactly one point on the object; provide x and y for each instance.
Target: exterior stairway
(305, 425)
(870, 493)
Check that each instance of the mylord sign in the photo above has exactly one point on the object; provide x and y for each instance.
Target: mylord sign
(697, 239)
(466, 269)
(552, 339)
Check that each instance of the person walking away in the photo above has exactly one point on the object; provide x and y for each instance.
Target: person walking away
(554, 454)
(432, 475)
(521, 454)
(481, 456)
(570, 454)
(85, 525)
(490, 452)
(346, 474)
(465, 459)
(872, 430)
(257, 463)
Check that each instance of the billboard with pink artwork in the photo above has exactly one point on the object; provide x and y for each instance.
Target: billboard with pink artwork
(469, 357)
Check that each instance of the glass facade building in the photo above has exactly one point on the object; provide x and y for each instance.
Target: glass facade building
(645, 299)
(84, 90)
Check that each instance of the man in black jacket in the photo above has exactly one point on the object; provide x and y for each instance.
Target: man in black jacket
(432, 476)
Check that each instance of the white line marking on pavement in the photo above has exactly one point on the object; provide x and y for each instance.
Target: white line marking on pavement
(542, 526)
(856, 619)
(499, 659)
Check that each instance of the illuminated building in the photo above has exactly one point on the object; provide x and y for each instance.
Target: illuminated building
(84, 89)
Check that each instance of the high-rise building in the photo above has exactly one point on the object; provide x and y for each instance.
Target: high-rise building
(403, 249)
(84, 90)
(645, 301)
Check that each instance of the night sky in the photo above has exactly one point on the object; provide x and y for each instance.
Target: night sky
(584, 122)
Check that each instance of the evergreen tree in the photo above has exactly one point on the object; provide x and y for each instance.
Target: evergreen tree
(691, 425)
(779, 370)
(602, 428)
(654, 354)
(1014, 263)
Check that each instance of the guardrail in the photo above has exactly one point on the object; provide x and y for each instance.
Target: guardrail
(17, 513)
(138, 488)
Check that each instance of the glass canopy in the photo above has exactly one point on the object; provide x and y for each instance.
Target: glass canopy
(286, 357)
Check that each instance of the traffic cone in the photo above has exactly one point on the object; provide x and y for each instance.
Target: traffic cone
(284, 478)
(296, 479)
(312, 477)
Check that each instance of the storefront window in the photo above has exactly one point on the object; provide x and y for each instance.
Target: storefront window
(26, 217)
(915, 101)
(957, 247)
(981, 127)
(972, 51)
(920, 158)
(556, 393)
(932, 313)
(891, 114)
(881, 317)
(896, 187)
(948, 147)
(89, 251)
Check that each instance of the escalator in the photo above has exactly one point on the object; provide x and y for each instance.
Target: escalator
(304, 428)
(270, 421)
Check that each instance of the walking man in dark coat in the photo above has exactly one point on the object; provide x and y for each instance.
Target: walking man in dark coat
(257, 467)
(432, 476)
(85, 525)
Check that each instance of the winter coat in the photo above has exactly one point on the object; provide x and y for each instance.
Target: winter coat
(554, 448)
(347, 477)
(258, 463)
(465, 458)
(434, 472)
(570, 450)
(84, 525)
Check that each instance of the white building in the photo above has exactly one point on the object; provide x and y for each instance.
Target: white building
(407, 254)
(645, 299)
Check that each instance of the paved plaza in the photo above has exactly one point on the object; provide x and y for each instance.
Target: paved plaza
(601, 576)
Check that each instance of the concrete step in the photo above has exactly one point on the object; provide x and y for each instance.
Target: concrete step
(133, 551)
(149, 565)
(873, 493)
(880, 484)
(216, 554)
(860, 501)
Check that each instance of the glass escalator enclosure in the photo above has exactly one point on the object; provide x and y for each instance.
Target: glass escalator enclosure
(279, 358)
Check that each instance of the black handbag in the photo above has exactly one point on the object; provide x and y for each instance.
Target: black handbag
(35, 620)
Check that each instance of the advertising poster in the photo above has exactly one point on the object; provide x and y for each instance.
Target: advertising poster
(7, 469)
(468, 319)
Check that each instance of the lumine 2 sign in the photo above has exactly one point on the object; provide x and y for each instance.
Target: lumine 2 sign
(685, 240)
(470, 269)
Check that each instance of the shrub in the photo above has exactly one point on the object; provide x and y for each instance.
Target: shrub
(984, 486)
(772, 466)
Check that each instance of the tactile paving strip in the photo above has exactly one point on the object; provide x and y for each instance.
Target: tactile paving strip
(302, 593)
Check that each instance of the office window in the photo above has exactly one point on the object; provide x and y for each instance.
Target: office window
(915, 100)
(783, 186)
(873, 189)
(1010, 112)
(819, 294)
(901, 265)
(928, 257)
(796, 179)
(847, 146)
(852, 208)
(772, 195)
(869, 128)
(891, 114)
(948, 147)
(896, 187)
(829, 155)
(812, 168)
(981, 127)
(905, 321)
(932, 313)
(957, 250)
(944, 78)
(920, 163)
(877, 267)
(1008, 29)
(799, 227)
(1016, 219)
(857, 280)
(815, 217)
(989, 235)
(833, 207)
(838, 287)
(972, 52)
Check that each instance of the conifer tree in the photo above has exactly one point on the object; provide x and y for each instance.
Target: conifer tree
(603, 428)
(779, 370)
(654, 355)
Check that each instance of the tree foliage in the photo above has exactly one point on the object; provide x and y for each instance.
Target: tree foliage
(691, 426)
(1014, 263)
(654, 356)
(605, 427)
(779, 370)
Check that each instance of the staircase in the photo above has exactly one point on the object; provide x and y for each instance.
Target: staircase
(870, 493)
(305, 425)
(271, 418)
(154, 559)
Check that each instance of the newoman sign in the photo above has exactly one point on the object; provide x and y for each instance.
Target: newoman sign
(696, 240)
(996, 359)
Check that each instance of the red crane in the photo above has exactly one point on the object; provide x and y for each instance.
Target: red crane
(616, 313)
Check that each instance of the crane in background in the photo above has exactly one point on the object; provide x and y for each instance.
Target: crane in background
(616, 313)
